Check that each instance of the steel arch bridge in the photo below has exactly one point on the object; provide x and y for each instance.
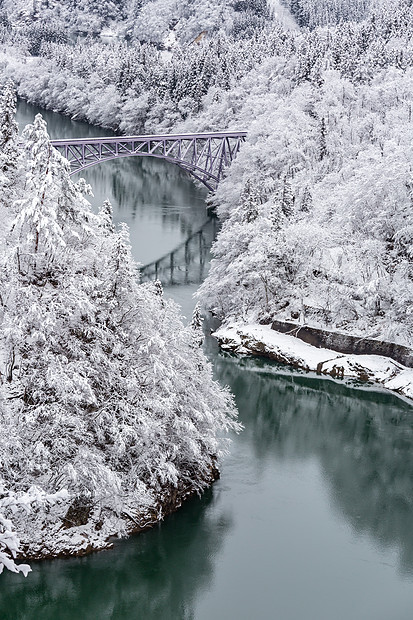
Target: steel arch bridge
(204, 155)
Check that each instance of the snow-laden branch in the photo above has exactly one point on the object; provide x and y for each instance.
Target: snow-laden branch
(10, 504)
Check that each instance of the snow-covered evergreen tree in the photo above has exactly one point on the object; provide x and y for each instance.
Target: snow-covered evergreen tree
(8, 143)
(104, 394)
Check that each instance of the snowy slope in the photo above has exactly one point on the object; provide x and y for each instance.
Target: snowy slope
(283, 14)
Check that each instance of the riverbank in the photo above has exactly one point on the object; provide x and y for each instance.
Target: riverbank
(85, 529)
(262, 340)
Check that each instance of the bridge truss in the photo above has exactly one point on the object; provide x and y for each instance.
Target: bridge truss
(204, 155)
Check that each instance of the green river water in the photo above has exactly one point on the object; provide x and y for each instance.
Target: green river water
(312, 518)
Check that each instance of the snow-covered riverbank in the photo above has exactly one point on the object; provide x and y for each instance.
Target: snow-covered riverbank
(255, 339)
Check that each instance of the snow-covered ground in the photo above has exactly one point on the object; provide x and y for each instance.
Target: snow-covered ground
(262, 340)
(109, 34)
(283, 14)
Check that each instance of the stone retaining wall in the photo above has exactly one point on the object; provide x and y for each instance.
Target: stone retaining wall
(344, 343)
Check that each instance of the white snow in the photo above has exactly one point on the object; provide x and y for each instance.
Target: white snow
(283, 14)
(403, 383)
(108, 33)
(261, 339)
(171, 40)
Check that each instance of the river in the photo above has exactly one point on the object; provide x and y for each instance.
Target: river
(312, 517)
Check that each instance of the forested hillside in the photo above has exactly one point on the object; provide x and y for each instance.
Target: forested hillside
(134, 84)
(320, 198)
(142, 20)
(109, 414)
(314, 13)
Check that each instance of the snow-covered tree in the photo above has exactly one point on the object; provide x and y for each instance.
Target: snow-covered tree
(8, 130)
(104, 391)
(10, 504)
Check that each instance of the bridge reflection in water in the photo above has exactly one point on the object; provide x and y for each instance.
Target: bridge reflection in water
(187, 263)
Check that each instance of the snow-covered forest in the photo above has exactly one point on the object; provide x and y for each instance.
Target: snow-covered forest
(110, 417)
(320, 197)
(316, 211)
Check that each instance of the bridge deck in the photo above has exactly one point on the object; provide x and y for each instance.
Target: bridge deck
(204, 155)
(146, 138)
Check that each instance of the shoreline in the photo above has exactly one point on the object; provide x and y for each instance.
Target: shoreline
(369, 369)
(82, 541)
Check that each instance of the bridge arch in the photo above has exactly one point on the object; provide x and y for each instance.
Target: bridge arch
(203, 155)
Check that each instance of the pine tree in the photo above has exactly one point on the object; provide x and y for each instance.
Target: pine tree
(287, 197)
(307, 200)
(8, 130)
(323, 141)
(106, 218)
(196, 326)
(250, 202)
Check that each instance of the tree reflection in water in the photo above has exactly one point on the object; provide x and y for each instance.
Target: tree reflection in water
(155, 575)
(362, 438)
(363, 441)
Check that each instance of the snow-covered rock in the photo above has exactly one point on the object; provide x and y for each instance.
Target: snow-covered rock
(255, 339)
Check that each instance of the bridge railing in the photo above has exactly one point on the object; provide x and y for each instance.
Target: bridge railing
(147, 138)
(204, 155)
